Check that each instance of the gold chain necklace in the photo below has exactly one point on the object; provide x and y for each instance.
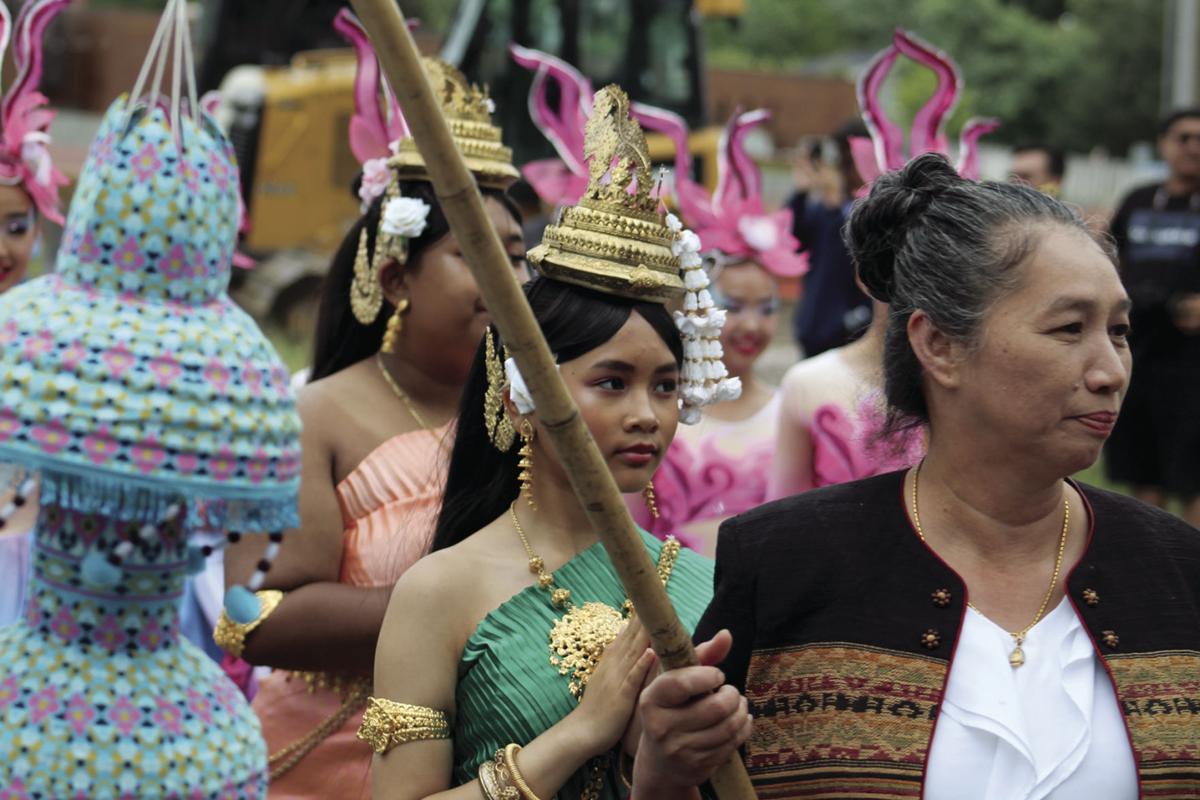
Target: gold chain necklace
(1017, 657)
(404, 398)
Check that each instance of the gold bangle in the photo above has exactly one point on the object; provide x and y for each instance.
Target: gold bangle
(510, 761)
(626, 777)
(494, 781)
(487, 780)
(387, 723)
(231, 636)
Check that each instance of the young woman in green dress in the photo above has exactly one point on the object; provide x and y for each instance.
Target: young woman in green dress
(489, 680)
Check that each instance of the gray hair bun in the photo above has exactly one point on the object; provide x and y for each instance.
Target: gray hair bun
(879, 224)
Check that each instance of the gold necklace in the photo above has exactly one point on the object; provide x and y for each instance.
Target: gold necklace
(579, 637)
(404, 398)
(1017, 657)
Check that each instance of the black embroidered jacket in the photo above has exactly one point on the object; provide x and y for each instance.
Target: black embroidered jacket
(844, 626)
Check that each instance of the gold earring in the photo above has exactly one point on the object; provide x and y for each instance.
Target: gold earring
(648, 496)
(366, 295)
(395, 324)
(525, 464)
(499, 427)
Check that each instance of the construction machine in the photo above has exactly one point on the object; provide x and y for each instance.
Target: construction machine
(288, 117)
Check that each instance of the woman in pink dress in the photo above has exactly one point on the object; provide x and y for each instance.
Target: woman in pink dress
(831, 412)
(29, 186)
(399, 322)
(720, 465)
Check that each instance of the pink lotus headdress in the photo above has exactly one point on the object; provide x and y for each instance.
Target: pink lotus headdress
(377, 121)
(561, 181)
(24, 119)
(884, 151)
(733, 220)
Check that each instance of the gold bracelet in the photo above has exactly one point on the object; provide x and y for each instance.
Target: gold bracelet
(510, 761)
(626, 776)
(231, 636)
(487, 780)
(494, 781)
(387, 723)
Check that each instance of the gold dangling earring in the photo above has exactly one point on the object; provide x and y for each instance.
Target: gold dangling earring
(366, 295)
(648, 496)
(394, 325)
(525, 464)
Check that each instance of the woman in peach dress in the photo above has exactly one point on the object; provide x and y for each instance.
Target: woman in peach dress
(399, 322)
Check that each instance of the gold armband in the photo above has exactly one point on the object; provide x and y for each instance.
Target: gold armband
(231, 636)
(387, 723)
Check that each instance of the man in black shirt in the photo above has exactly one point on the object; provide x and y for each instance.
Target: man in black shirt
(1156, 443)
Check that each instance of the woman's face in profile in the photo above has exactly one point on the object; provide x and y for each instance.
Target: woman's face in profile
(1053, 362)
(18, 233)
(627, 390)
(446, 310)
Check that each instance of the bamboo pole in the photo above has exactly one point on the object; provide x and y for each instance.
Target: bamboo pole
(489, 263)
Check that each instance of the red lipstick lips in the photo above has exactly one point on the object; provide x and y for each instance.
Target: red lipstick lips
(638, 455)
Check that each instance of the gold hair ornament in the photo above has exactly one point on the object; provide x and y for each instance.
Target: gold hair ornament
(500, 430)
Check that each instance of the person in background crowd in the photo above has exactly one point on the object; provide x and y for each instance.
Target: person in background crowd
(833, 310)
(1156, 444)
(1042, 166)
(399, 322)
(29, 186)
(720, 466)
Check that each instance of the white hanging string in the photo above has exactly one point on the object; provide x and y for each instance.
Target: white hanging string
(176, 77)
(6, 34)
(172, 42)
(151, 58)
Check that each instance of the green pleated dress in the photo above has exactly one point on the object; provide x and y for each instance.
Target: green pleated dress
(508, 691)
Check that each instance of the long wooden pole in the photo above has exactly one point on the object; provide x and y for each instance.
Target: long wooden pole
(590, 477)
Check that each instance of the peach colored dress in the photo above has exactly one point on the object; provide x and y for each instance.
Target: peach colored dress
(389, 506)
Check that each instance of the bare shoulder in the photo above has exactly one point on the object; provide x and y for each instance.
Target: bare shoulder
(447, 589)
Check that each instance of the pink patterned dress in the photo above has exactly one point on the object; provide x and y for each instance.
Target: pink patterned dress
(712, 471)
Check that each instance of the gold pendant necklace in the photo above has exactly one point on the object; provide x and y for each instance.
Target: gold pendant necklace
(1017, 657)
(579, 637)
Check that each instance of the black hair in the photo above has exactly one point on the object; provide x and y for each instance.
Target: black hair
(1056, 159)
(926, 238)
(1180, 113)
(340, 339)
(482, 481)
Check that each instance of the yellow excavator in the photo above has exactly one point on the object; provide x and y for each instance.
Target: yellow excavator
(288, 122)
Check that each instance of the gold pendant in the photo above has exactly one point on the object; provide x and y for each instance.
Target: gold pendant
(578, 639)
(1017, 657)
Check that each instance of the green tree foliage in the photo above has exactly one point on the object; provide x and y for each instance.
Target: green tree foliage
(1076, 73)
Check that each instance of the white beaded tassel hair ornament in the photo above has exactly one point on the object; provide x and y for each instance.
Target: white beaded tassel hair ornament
(704, 380)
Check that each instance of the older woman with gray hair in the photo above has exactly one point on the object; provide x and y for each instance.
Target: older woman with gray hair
(979, 625)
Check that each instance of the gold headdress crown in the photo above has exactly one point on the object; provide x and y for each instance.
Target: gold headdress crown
(468, 111)
(614, 240)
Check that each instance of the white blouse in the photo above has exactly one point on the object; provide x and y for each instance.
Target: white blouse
(1048, 729)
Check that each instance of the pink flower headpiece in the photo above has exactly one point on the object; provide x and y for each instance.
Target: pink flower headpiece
(733, 220)
(884, 151)
(377, 123)
(24, 119)
(561, 181)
